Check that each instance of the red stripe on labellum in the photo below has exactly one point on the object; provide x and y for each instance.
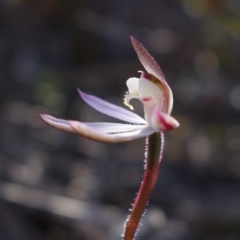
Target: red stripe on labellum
(147, 99)
(166, 125)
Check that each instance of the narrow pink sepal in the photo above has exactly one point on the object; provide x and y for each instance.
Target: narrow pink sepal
(111, 109)
(147, 60)
(163, 121)
(92, 134)
(152, 67)
(57, 123)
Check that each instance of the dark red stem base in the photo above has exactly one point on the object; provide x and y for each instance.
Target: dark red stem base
(155, 145)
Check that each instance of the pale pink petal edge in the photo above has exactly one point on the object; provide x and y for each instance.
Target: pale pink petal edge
(57, 123)
(92, 134)
(111, 109)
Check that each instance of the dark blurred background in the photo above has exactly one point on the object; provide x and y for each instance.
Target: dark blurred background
(55, 185)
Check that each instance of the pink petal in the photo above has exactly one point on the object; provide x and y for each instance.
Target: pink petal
(106, 127)
(95, 135)
(147, 60)
(103, 127)
(153, 68)
(57, 123)
(111, 109)
(163, 121)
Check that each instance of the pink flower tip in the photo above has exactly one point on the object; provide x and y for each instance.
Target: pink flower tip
(163, 121)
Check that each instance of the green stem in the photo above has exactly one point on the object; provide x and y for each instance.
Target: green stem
(155, 145)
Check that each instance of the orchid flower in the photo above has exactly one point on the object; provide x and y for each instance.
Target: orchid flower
(151, 89)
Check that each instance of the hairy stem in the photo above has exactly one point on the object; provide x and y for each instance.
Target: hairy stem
(154, 152)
